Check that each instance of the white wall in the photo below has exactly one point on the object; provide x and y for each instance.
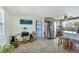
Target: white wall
(18, 28)
(8, 25)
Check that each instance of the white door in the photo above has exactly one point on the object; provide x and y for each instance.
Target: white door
(39, 28)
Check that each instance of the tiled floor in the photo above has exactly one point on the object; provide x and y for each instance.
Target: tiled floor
(40, 46)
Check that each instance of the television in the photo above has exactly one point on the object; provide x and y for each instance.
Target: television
(25, 21)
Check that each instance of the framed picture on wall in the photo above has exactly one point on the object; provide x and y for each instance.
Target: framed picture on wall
(26, 21)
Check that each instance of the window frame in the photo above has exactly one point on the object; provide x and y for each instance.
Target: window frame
(2, 17)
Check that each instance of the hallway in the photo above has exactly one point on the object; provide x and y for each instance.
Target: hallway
(40, 46)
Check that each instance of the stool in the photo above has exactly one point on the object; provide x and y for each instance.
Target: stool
(60, 40)
(70, 44)
(66, 43)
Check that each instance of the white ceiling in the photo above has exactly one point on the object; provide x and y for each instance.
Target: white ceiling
(44, 11)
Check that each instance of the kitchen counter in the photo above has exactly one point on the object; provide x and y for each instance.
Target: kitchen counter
(72, 35)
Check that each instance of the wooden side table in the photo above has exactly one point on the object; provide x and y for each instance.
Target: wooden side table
(16, 44)
(25, 40)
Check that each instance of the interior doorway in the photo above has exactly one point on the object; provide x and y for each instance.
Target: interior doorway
(49, 28)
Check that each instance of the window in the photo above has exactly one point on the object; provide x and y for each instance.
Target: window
(69, 25)
(1, 28)
(1, 23)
